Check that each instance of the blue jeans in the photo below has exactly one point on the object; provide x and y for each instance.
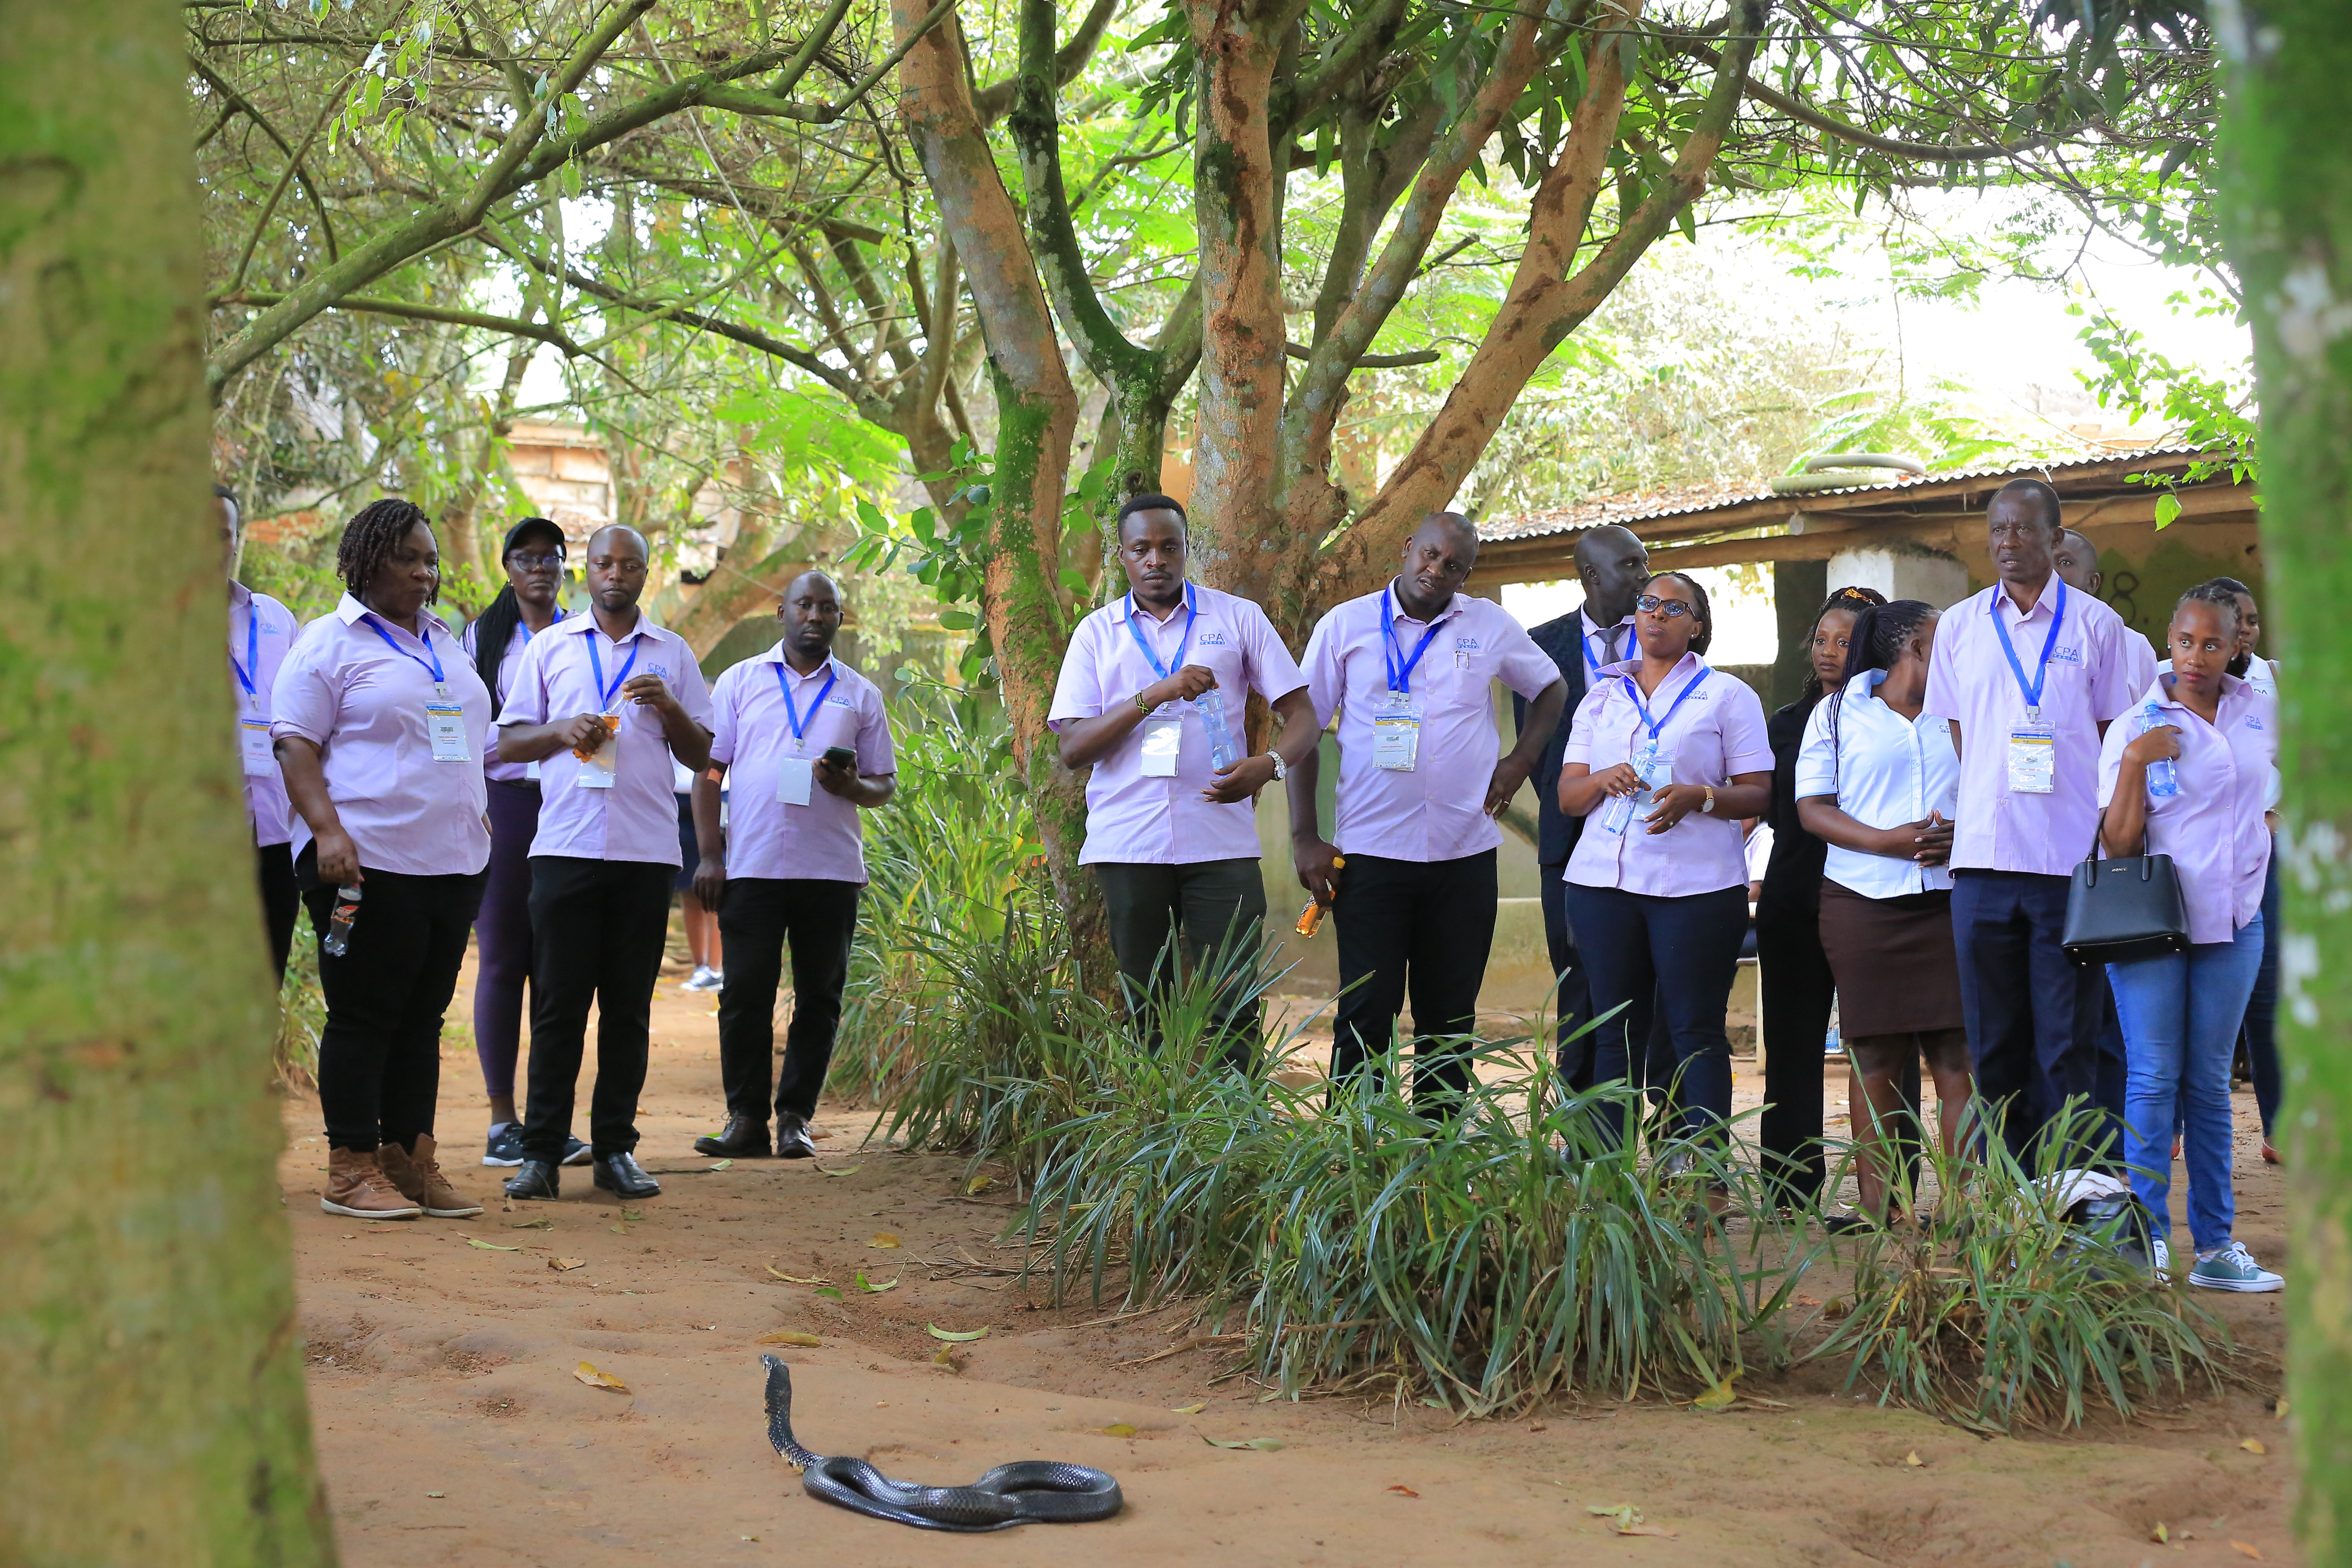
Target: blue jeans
(2181, 1015)
(1633, 942)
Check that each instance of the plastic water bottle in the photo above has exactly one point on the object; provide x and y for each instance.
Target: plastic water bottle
(339, 924)
(1618, 815)
(2163, 778)
(1223, 751)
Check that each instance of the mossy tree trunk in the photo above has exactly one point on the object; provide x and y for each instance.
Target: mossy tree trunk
(151, 1409)
(2286, 197)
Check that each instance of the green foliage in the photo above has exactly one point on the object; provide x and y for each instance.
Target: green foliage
(301, 1011)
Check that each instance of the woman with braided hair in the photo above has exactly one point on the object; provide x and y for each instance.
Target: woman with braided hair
(379, 721)
(1793, 981)
(1877, 781)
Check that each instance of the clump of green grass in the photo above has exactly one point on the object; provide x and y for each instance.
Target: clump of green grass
(301, 1012)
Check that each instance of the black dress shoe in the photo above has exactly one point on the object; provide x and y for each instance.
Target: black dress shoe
(792, 1139)
(537, 1179)
(744, 1139)
(621, 1173)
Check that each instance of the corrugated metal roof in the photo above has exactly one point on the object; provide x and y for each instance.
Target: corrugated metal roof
(1643, 506)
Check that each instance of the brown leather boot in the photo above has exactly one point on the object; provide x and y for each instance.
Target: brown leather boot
(356, 1186)
(418, 1177)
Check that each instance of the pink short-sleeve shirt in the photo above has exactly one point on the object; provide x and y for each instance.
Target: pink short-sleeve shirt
(1437, 811)
(1970, 682)
(261, 632)
(2213, 828)
(356, 687)
(636, 819)
(1132, 818)
(493, 768)
(752, 734)
(1715, 731)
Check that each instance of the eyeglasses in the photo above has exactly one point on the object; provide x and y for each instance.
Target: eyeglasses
(536, 563)
(1673, 609)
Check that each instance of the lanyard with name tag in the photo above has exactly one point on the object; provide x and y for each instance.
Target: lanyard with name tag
(253, 724)
(796, 775)
(1657, 768)
(445, 716)
(2033, 745)
(602, 768)
(1163, 730)
(1396, 728)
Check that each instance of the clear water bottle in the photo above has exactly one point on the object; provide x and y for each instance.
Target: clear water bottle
(1224, 751)
(339, 924)
(2163, 778)
(1618, 815)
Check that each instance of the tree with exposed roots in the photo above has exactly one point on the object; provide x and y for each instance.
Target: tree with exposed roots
(151, 1409)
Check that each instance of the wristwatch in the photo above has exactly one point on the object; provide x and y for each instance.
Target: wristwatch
(1709, 806)
(1280, 771)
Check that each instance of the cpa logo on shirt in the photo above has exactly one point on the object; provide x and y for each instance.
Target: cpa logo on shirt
(2067, 655)
(1212, 639)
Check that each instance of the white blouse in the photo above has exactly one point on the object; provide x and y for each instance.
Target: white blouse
(1884, 770)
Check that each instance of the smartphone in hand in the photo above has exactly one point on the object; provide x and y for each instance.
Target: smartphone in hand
(841, 757)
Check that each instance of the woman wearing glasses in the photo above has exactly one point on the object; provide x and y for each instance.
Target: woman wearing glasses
(1666, 756)
(534, 557)
(379, 724)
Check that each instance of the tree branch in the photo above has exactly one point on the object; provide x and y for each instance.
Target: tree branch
(991, 103)
(1855, 136)
(507, 324)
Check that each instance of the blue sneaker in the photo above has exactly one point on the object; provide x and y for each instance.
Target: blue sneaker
(2233, 1267)
(575, 1152)
(504, 1146)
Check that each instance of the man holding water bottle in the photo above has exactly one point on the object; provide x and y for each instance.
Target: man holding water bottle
(1153, 693)
(602, 702)
(1410, 670)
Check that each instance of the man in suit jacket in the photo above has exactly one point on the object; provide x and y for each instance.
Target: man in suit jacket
(1612, 567)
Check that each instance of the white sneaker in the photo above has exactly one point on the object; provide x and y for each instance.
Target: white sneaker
(704, 978)
(2233, 1267)
(2163, 1261)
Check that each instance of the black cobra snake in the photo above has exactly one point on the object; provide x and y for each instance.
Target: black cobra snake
(1044, 1490)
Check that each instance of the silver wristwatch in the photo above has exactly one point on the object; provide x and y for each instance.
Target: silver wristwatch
(1280, 771)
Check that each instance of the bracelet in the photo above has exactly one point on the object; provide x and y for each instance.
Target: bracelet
(1281, 772)
(1140, 705)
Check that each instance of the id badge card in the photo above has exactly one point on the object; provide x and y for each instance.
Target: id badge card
(794, 778)
(2032, 759)
(253, 746)
(1164, 739)
(445, 724)
(1396, 735)
(602, 768)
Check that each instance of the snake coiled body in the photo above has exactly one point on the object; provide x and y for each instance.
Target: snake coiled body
(1044, 1490)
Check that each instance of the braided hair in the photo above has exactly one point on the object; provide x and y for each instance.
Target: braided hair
(369, 540)
(1705, 618)
(1860, 600)
(1879, 636)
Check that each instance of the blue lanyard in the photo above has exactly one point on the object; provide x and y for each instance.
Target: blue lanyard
(528, 634)
(793, 714)
(1399, 667)
(1191, 613)
(432, 662)
(251, 668)
(2040, 671)
(1592, 664)
(595, 662)
(1642, 708)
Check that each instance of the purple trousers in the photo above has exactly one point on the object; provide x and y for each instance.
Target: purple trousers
(502, 935)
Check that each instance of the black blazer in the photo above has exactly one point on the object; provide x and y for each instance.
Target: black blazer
(1557, 832)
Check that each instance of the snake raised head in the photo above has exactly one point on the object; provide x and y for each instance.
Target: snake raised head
(1041, 1490)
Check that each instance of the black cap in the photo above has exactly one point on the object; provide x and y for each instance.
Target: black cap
(526, 527)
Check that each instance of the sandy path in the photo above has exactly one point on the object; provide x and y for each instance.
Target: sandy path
(453, 1431)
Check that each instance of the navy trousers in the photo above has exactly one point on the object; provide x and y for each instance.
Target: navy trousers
(2032, 1017)
(1683, 952)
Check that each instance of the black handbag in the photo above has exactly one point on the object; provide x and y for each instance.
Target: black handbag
(2117, 911)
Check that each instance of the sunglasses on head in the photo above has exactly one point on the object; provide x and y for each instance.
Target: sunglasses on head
(1673, 609)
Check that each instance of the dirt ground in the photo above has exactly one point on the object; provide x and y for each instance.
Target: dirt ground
(453, 1427)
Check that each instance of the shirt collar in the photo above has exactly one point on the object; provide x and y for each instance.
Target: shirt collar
(2159, 692)
(349, 611)
(239, 593)
(583, 623)
(2049, 599)
(1590, 626)
(1396, 608)
(1194, 600)
(775, 656)
(1689, 660)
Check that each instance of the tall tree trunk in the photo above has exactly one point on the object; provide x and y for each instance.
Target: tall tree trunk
(151, 1407)
(1036, 417)
(2286, 203)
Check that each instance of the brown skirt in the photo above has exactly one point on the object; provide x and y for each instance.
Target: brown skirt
(1897, 969)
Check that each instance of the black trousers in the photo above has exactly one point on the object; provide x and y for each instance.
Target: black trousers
(1683, 953)
(281, 896)
(756, 918)
(1420, 927)
(1216, 906)
(596, 933)
(1797, 990)
(1574, 997)
(2032, 1017)
(380, 1055)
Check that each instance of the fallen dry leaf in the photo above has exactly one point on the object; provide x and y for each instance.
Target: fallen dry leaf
(1406, 1490)
(2160, 1535)
(940, 1333)
(1262, 1445)
(1647, 1529)
(1914, 1460)
(531, 1224)
(722, 1165)
(1718, 1397)
(1118, 1430)
(565, 1265)
(883, 1239)
(619, 1229)
(2253, 1445)
(788, 1337)
(2253, 1551)
(871, 1288)
(979, 1184)
(594, 1379)
(1190, 1409)
(845, 1171)
(795, 1280)
(489, 1246)
(946, 1358)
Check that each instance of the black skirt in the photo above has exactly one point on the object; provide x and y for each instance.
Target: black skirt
(1898, 970)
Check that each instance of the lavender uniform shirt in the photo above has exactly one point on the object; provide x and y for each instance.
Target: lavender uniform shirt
(2213, 828)
(493, 768)
(1438, 810)
(1716, 731)
(752, 734)
(637, 818)
(356, 687)
(1133, 819)
(261, 632)
(2087, 683)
